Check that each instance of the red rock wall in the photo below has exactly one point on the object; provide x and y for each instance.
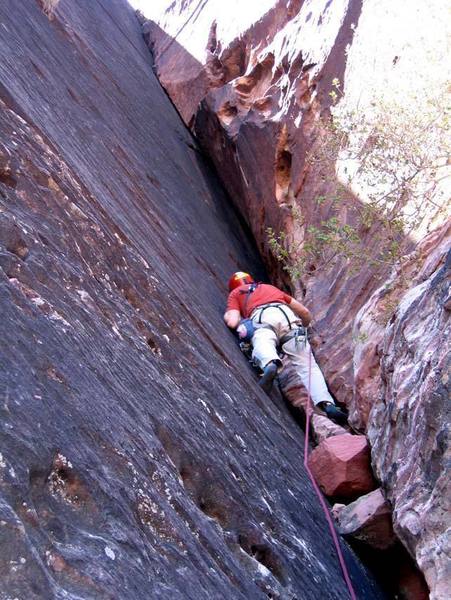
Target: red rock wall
(257, 102)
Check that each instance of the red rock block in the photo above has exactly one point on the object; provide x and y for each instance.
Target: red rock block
(341, 466)
(411, 584)
(368, 519)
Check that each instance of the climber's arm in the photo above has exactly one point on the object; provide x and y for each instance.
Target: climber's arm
(301, 311)
(232, 318)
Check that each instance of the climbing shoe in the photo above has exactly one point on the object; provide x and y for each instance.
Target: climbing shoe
(269, 373)
(334, 413)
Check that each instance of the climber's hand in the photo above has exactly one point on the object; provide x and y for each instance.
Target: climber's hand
(232, 318)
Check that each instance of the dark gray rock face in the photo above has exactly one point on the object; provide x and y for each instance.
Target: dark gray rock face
(138, 457)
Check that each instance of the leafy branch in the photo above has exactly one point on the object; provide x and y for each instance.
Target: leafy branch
(395, 161)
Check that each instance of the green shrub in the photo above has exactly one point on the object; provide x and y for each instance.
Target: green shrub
(387, 169)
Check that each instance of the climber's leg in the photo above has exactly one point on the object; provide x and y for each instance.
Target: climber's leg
(265, 355)
(264, 343)
(298, 352)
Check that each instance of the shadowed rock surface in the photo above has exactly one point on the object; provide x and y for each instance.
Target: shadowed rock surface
(139, 459)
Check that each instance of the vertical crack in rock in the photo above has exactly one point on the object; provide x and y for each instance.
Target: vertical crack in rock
(139, 457)
(283, 191)
(264, 125)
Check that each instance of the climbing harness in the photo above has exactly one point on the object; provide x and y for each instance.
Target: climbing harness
(247, 327)
(270, 305)
(299, 333)
(341, 559)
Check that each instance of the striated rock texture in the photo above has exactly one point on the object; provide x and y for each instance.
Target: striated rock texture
(257, 86)
(409, 429)
(139, 459)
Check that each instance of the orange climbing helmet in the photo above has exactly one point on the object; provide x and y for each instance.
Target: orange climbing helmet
(239, 278)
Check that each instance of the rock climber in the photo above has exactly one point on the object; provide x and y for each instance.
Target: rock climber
(272, 320)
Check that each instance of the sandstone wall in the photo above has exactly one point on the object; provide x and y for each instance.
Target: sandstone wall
(139, 459)
(258, 93)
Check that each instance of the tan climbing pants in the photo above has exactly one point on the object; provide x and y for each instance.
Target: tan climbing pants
(264, 348)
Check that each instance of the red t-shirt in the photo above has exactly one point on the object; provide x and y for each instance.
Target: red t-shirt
(263, 294)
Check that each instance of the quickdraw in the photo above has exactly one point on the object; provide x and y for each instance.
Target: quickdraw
(299, 334)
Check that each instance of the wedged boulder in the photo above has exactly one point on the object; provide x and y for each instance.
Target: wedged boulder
(367, 519)
(412, 585)
(323, 428)
(341, 466)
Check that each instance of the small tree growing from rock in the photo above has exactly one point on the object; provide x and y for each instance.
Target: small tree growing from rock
(390, 158)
